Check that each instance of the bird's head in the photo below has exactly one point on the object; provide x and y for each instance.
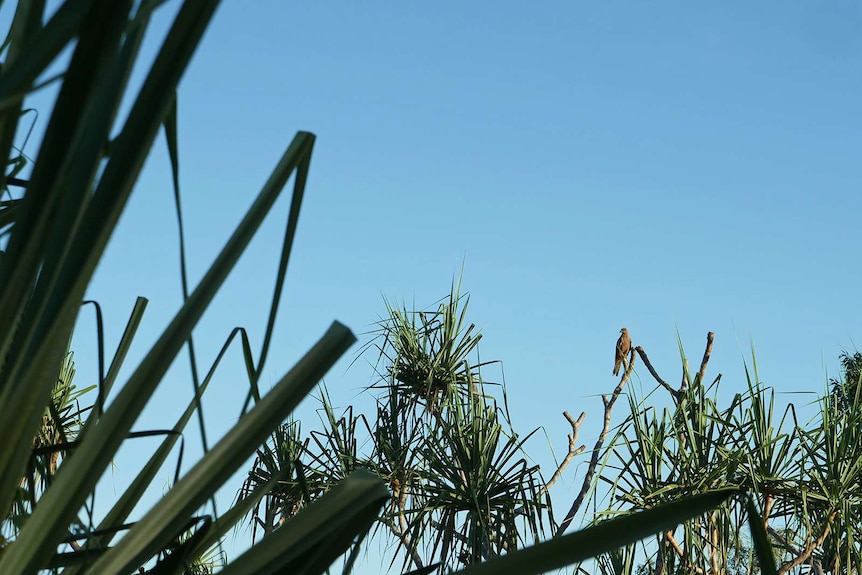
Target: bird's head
(624, 330)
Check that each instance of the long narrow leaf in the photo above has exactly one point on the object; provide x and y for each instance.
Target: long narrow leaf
(239, 511)
(602, 538)
(348, 510)
(99, 444)
(762, 547)
(165, 519)
(66, 163)
(135, 491)
(122, 349)
(42, 48)
(25, 25)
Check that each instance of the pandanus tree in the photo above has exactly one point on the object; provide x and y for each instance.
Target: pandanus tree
(804, 475)
(60, 425)
(462, 488)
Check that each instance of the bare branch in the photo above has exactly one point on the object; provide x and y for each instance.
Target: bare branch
(400, 529)
(783, 542)
(710, 336)
(806, 553)
(655, 375)
(573, 450)
(405, 541)
(713, 542)
(659, 560)
(668, 535)
(594, 458)
(769, 500)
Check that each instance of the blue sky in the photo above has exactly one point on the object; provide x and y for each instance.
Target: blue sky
(667, 167)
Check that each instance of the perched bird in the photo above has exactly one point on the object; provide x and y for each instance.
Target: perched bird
(624, 345)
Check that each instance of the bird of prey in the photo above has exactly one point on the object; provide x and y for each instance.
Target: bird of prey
(624, 345)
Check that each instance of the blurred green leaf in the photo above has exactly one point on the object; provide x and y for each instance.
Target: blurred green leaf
(602, 538)
(320, 533)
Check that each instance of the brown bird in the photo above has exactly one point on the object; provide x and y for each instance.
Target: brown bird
(624, 345)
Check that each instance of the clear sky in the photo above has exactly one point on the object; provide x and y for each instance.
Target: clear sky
(664, 166)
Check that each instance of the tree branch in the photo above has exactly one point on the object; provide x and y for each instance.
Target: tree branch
(806, 553)
(655, 375)
(573, 450)
(405, 540)
(783, 542)
(400, 529)
(594, 458)
(713, 542)
(668, 535)
(707, 352)
(768, 501)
